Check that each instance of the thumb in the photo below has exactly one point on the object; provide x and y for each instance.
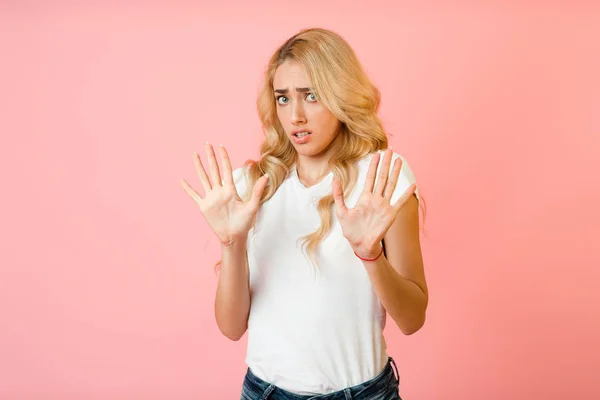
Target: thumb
(259, 188)
(338, 196)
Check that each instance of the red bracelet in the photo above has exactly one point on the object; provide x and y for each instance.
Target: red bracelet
(370, 259)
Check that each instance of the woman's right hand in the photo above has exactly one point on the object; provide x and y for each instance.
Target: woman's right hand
(228, 216)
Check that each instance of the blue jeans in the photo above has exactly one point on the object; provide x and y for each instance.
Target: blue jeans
(383, 387)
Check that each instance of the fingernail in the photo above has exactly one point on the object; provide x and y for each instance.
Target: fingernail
(220, 144)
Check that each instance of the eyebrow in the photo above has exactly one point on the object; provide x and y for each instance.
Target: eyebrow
(300, 89)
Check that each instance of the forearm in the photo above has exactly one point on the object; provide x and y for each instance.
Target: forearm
(402, 298)
(232, 302)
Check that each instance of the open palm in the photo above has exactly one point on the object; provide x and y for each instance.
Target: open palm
(228, 216)
(365, 225)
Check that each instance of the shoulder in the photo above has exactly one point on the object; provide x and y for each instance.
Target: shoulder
(240, 173)
(240, 178)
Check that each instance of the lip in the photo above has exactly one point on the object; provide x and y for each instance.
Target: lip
(300, 130)
(301, 140)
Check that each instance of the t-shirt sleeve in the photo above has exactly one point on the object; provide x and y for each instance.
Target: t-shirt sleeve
(240, 180)
(406, 178)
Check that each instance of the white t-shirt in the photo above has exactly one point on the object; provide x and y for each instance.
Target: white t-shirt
(311, 331)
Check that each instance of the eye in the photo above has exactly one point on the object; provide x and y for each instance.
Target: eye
(313, 96)
(279, 99)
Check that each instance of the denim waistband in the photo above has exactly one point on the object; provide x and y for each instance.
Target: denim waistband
(385, 383)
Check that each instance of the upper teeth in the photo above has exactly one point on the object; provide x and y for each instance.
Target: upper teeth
(301, 134)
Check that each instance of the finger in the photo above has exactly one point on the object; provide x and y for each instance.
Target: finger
(338, 195)
(391, 185)
(190, 191)
(201, 173)
(383, 172)
(259, 188)
(215, 174)
(404, 198)
(226, 163)
(370, 180)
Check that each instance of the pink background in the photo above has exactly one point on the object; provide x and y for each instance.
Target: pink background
(107, 286)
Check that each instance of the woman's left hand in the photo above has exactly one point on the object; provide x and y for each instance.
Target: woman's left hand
(365, 225)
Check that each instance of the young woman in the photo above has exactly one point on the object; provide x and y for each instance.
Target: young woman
(320, 236)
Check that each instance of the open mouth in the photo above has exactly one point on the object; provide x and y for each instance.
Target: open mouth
(301, 137)
(302, 134)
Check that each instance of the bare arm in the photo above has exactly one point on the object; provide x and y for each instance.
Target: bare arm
(232, 302)
(399, 280)
(230, 218)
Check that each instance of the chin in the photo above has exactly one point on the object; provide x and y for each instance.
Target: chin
(308, 151)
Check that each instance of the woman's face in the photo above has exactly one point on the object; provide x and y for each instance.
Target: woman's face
(308, 124)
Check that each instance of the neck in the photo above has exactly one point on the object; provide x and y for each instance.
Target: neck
(311, 170)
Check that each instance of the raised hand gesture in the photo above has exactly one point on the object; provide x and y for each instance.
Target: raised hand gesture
(365, 225)
(228, 216)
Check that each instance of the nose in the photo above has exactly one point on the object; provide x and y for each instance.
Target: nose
(298, 116)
